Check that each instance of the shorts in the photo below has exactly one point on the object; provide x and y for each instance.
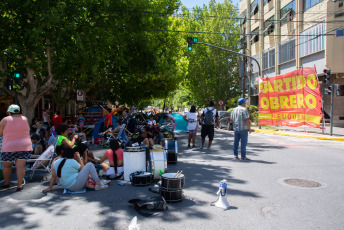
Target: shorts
(193, 131)
(81, 124)
(111, 170)
(12, 156)
(207, 130)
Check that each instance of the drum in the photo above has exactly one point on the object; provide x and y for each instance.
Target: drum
(142, 180)
(172, 195)
(168, 182)
(171, 147)
(134, 159)
(158, 162)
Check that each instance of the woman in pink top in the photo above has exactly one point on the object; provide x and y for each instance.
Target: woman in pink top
(16, 145)
(115, 157)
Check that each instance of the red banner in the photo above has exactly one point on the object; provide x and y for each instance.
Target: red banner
(292, 99)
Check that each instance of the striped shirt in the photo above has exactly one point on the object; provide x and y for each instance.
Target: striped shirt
(239, 114)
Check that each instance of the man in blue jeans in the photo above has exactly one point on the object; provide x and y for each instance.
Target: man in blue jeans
(241, 126)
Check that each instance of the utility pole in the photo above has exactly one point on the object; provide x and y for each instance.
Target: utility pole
(249, 82)
(243, 74)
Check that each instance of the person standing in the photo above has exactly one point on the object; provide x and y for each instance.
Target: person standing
(242, 127)
(46, 123)
(16, 145)
(209, 118)
(108, 119)
(191, 118)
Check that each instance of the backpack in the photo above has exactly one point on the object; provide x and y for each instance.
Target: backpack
(208, 117)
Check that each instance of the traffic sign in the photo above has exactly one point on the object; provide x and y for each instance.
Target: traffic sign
(220, 102)
(80, 95)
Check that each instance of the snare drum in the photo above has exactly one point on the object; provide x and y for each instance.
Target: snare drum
(142, 180)
(170, 183)
(172, 195)
(171, 147)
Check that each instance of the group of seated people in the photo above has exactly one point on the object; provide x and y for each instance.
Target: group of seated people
(74, 162)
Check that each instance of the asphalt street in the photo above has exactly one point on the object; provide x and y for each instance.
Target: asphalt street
(258, 196)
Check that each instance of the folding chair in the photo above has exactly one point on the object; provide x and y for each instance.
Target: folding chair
(43, 162)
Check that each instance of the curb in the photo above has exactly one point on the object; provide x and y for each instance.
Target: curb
(296, 135)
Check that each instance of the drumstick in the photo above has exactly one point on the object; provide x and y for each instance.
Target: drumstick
(176, 174)
(180, 173)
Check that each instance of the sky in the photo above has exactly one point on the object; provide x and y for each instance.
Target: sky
(193, 3)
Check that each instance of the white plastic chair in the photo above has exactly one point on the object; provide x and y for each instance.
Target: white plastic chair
(43, 162)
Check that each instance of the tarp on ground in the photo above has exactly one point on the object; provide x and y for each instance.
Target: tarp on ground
(182, 125)
(96, 129)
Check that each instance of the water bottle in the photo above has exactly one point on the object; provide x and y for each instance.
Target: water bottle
(223, 187)
(92, 140)
(101, 173)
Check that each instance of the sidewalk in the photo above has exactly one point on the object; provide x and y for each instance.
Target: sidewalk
(304, 132)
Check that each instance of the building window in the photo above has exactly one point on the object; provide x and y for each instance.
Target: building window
(254, 36)
(243, 18)
(266, 2)
(313, 41)
(269, 25)
(254, 7)
(286, 51)
(269, 59)
(288, 13)
(310, 3)
(340, 3)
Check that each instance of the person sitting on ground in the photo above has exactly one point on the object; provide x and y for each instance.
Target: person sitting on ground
(58, 151)
(72, 127)
(73, 174)
(38, 145)
(62, 133)
(115, 158)
(87, 155)
(150, 132)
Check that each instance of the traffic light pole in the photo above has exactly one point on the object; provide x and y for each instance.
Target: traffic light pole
(231, 51)
(331, 119)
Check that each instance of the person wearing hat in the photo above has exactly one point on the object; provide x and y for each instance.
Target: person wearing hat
(16, 145)
(149, 134)
(242, 127)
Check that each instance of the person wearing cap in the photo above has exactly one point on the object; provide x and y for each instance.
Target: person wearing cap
(150, 132)
(16, 145)
(242, 127)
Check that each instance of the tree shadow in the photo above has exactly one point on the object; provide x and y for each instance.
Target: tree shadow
(203, 171)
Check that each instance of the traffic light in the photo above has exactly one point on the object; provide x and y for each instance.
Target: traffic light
(17, 75)
(327, 73)
(191, 40)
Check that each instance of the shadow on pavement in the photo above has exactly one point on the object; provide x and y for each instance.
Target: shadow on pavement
(200, 177)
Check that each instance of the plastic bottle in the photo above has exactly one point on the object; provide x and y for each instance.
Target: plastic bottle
(92, 140)
(101, 173)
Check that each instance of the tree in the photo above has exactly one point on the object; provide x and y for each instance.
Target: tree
(211, 74)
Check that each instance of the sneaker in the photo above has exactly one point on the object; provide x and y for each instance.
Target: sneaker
(106, 182)
(120, 176)
(245, 159)
(202, 147)
(20, 189)
(209, 147)
(189, 146)
(100, 186)
(236, 158)
(194, 146)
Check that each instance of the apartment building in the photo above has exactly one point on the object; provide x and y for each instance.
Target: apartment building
(290, 34)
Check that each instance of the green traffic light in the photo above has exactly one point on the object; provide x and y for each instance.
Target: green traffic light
(195, 39)
(17, 75)
(189, 48)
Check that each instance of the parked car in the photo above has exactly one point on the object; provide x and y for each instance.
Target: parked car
(226, 121)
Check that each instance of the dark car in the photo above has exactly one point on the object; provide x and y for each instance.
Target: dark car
(226, 121)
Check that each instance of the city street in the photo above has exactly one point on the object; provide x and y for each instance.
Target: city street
(258, 196)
